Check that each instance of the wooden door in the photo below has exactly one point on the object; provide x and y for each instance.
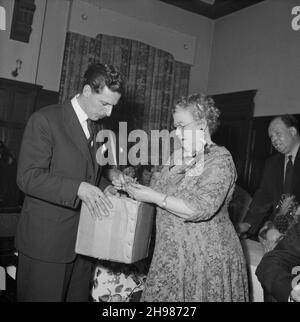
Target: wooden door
(17, 103)
(261, 148)
(235, 130)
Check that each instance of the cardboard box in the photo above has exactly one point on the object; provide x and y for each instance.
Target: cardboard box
(123, 236)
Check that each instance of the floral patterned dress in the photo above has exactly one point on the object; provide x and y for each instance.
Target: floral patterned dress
(199, 259)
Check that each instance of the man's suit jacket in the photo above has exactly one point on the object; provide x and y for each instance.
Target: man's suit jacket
(54, 159)
(279, 268)
(270, 190)
(275, 269)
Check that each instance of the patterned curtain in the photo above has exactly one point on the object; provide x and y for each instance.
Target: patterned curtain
(153, 78)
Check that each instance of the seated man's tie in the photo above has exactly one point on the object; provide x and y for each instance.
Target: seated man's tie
(288, 176)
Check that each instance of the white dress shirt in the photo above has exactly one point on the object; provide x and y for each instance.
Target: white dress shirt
(293, 153)
(82, 116)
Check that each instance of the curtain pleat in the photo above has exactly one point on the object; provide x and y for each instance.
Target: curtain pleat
(154, 80)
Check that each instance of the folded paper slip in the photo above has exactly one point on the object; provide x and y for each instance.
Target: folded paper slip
(123, 236)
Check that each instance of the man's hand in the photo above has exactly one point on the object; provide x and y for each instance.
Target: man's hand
(96, 201)
(295, 294)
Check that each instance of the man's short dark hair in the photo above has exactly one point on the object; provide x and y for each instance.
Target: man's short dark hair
(289, 120)
(97, 76)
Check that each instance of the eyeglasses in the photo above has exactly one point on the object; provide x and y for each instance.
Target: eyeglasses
(181, 127)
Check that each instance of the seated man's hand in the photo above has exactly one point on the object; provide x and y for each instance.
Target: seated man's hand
(295, 294)
(243, 227)
(267, 225)
(94, 198)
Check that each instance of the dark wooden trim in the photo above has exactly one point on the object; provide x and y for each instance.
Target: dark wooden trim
(18, 100)
(46, 97)
(6, 82)
(235, 131)
(236, 105)
(219, 9)
(12, 125)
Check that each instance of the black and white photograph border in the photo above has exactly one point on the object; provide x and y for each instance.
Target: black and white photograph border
(216, 78)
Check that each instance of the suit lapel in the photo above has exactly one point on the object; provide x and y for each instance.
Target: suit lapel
(75, 131)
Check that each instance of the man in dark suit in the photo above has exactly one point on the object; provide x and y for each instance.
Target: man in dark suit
(279, 269)
(281, 174)
(57, 172)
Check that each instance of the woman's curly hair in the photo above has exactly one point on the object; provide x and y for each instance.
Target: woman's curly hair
(201, 107)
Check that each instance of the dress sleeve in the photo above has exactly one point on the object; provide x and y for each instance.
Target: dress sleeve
(208, 192)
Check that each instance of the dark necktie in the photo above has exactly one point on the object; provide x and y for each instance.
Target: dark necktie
(92, 139)
(288, 176)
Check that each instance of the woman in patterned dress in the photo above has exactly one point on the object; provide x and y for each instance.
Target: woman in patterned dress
(197, 255)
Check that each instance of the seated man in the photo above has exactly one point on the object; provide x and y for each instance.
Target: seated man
(281, 174)
(279, 269)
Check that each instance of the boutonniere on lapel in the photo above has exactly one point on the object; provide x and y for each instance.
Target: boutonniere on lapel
(286, 213)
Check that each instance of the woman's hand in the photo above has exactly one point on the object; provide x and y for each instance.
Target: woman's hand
(141, 193)
(171, 204)
(118, 179)
(122, 181)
